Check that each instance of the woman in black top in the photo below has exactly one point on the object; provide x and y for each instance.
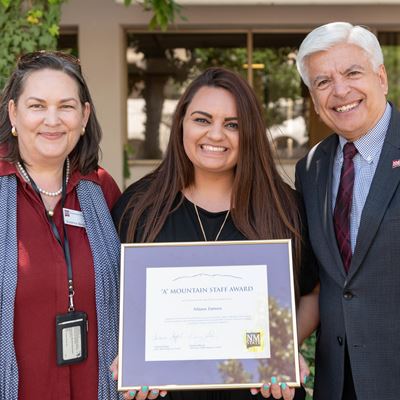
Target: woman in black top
(218, 181)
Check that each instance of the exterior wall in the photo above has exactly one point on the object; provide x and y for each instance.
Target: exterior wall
(101, 25)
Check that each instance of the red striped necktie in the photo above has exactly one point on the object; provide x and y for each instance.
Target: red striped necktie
(341, 215)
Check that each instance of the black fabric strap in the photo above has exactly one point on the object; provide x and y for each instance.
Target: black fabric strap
(65, 245)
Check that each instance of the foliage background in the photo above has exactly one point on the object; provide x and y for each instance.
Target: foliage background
(26, 26)
(391, 55)
(308, 351)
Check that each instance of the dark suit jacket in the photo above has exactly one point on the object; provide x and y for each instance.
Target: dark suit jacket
(362, 307)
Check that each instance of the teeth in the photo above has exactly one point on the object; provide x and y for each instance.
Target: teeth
(216, 149)
(347, 107)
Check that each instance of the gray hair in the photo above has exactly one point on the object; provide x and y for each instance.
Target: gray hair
(329, 35)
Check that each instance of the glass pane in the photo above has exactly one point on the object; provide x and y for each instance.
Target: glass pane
(68, 42)
(160, 66)
(390, 42)
(280, 90)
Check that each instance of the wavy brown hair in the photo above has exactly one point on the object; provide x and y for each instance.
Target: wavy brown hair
(85, 155)
(262, 205)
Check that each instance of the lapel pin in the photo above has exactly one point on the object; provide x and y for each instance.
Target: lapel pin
(395, 163)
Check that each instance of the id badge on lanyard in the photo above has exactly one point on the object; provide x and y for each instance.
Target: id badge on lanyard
(71, 337)
(71, 327)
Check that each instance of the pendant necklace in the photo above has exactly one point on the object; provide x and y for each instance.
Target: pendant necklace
(25, 175)
(202, 228)
(42, 191)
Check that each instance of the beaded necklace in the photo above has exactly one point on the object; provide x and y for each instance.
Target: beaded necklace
(42, 191)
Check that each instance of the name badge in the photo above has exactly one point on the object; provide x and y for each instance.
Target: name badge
(73, 217)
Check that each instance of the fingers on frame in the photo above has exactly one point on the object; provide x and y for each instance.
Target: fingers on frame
(287, 393)
(265, 390)
(144, 394)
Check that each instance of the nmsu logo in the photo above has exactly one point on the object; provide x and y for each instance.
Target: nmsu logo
(253, 339)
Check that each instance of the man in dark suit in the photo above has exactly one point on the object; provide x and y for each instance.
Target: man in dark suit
(350, 184)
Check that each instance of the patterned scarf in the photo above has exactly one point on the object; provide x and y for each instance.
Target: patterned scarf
(105, 247)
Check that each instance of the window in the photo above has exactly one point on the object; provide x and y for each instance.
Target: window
(160, 66)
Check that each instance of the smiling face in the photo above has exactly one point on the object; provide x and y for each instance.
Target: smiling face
(348, 95)
(48, 117)
(211, 131)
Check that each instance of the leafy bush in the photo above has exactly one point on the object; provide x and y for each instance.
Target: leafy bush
(308, 351)
(26, 26)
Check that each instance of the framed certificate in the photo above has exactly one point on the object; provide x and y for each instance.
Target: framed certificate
(202, 315)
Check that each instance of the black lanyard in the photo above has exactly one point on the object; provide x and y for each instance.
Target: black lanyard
(65, 245)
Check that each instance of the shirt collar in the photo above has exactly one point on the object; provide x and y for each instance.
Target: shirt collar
(370, 144)
(7, 168)
(76, 177)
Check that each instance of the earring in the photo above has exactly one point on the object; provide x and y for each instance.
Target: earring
(14, 131)
(83, 130)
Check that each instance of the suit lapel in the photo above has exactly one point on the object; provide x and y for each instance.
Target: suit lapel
(324, 184)
(383, 186)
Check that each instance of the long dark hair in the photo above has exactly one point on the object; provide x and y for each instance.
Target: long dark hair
(262, 205)
(85, 155)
